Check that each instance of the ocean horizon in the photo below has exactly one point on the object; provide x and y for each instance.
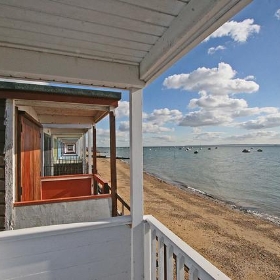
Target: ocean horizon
(249, 182)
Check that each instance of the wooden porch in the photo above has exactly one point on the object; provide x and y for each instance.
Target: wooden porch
(114, 44)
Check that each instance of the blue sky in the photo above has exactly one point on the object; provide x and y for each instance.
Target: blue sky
(225, 91)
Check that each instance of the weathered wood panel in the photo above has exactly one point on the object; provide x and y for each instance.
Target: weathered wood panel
(86, 251)
(2, 163)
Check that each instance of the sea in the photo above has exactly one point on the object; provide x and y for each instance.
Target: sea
(249, 182)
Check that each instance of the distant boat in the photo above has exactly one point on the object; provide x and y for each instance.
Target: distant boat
(209, 148)
(216, 148)
(259, 150)
(195, 152)
(246, 151)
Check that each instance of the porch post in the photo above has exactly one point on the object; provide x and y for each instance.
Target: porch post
(136, 183)
(113, 163)
(84, 153)
(52, 155)
(94, 168)
(89, 151)
(94, 150)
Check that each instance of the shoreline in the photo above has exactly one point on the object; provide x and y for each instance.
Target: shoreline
(184, 187)
(241, 245)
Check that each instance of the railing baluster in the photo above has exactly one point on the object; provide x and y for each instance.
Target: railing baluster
(153, 253)
(147, 252)
(193, 273)
(161, 258)
(180, 267)
(199, 267)
(169, 262)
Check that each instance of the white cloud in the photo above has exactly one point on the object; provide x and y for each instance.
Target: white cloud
(154, 128)
(238, 31)
(205, 118)
(262, 122)
(255, 137)
(277, 14)
(100, 132)
(147, 127)
(215, 105)
(163, 116)
(218, 48)
(124, 126)
(215, 81)
(209, 136)
(166, 138)
(123, 109)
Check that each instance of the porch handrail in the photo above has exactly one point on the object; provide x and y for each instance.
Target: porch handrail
(161, 245)
(100, 185)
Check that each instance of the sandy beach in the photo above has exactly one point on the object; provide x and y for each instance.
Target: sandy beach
(243, 246)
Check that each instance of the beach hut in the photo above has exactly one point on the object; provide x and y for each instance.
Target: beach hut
(52, 176)
(114, 44)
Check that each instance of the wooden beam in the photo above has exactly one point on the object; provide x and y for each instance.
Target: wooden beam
(60, 67)
(113, 162)
(57, 105)
(57, 98)
(57, 119)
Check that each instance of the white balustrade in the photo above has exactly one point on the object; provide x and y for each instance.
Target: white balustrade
(171, 258)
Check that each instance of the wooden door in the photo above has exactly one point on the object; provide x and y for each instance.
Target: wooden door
(30, 158)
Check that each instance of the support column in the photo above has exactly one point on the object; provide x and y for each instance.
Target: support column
(94, 150)
(84, 154)
(136, 183)
(52, 155)
(94, 167)
(42, 153)
(89, 151)
(113, 163)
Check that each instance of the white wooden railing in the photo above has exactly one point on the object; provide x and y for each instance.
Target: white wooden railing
(168, 257)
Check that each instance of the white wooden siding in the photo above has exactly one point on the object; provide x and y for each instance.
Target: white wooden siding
(78, 251)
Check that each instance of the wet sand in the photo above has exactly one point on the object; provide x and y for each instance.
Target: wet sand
(243, 246)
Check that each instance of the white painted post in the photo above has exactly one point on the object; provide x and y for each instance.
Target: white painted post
(161, 258)
(136, 184)
(193, 273)
(169, 262)
(89, 151)
(147, 251)
(180, 267)
(153, 254)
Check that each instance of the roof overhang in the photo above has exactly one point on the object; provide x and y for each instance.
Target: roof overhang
(123, 44)
(64, 111)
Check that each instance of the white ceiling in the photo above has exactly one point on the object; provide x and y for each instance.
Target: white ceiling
(113, 43)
